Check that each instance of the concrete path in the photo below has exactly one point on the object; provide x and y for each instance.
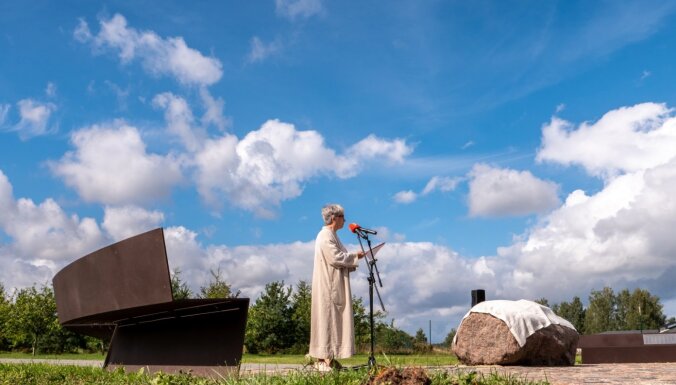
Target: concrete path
(608, 374)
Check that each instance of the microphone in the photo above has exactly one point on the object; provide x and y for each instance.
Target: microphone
(356, 228)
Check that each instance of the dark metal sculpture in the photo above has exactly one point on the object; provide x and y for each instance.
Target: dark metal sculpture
(122, 294)
(625, 347)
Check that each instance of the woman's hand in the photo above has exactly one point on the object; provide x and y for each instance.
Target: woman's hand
(360, 254)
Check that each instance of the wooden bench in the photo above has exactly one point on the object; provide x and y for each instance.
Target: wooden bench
(122, 294)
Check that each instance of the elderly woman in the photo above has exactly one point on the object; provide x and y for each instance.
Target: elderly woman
(332, 325)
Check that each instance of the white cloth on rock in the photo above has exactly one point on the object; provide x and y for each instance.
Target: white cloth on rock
(332, 322)
(522, 317)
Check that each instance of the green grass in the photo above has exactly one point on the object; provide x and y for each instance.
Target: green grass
(41, 374)
(67, 356)
(434, 359)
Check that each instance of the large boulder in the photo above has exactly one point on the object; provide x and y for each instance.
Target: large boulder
(515, 333)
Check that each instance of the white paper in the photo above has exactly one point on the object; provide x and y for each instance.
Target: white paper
(375, 250)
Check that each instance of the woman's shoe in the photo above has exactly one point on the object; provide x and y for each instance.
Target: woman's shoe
(322, 366)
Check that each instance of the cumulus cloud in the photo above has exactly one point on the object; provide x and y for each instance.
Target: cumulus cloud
(34, 118)
(294, 9)
(126, 221)
(271, 164)
(619, 236)
(504, 192)
(43, 237)
(180, 120)
(159, 56)
(247, 268)
(260, 50)
(371, 148)
(420, 279)
(624, 140)
(110, 165)
(266, 167)
(213, 114)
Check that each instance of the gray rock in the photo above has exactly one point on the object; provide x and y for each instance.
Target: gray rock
(486, 340)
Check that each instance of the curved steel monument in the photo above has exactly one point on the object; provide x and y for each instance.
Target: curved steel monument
(122, 294)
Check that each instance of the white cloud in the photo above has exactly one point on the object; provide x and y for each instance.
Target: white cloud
(503, 192)
(159, 56)
(369, 149)
(4, 111)
(110, 165)
(420, 280)
(624, 140)
(43, 236)
(260, 50)
(292, 9)
(271, 164)
(247, 268)
(180, 120)
(126, 221)
(213, 113)
(442, 183)
(406, 196)
(34, 118)
(264, 168)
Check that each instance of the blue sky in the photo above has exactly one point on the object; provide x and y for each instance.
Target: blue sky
(521, 147)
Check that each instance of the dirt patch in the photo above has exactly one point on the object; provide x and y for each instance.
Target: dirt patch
(406, 376)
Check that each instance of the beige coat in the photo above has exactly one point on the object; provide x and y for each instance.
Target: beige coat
(332, 326)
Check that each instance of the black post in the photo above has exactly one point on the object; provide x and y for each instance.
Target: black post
(478, 296)
(371, 263)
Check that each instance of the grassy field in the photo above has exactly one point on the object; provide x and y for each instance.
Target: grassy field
(434, 359)
(41, 374)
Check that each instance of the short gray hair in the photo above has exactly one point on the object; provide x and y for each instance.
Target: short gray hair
(330, 211)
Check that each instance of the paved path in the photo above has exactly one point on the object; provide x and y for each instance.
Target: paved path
(608, 374)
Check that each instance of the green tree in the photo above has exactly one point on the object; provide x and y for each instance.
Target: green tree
(601, 312)
(179, 289)
(638, 310)
(33, 317)
(4, 317)
(572, 311)
(420, 343)
(270, 327)
(362, 330)
(420, 336)
(301, 308)
(217, 287)
(392, 340)
(448, 341)
(542, 301)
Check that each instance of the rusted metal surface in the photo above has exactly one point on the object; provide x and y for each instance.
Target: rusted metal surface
(122, 293)
(130, 273)
(208, 336)
(623, 348)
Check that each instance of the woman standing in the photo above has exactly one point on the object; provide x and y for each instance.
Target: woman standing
(332, 323)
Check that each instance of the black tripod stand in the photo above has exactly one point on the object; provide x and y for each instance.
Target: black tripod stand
(373, 268)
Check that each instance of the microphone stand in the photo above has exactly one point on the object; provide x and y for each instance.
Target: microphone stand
(371, 263)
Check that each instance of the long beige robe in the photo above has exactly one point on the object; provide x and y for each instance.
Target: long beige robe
(332, 323)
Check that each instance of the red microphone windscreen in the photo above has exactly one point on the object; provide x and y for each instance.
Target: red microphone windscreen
(353, 227)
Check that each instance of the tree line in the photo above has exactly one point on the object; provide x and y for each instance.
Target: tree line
(279, 320)
(608, 311)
